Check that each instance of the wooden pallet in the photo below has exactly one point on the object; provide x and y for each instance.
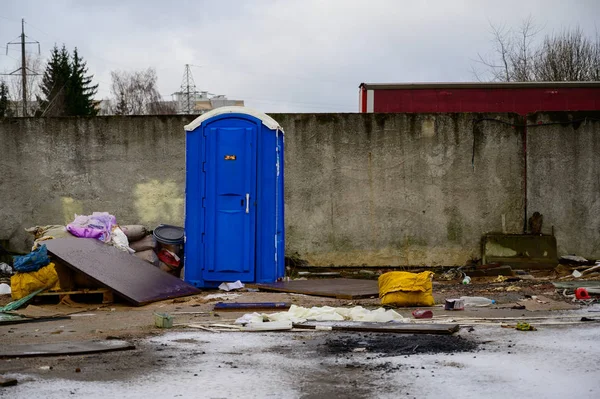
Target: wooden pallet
(107, 294)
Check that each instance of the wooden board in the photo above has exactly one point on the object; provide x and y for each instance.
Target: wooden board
(128, 276)
(63, 348)
(341, 288)
(250, 306)
(13, 318)
(396, 328)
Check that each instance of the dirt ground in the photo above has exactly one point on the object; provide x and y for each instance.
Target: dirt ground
(136, 325)
(118, 320)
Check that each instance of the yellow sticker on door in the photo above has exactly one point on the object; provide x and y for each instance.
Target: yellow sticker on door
(230, 157)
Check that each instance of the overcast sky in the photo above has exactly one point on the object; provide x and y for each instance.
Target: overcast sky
(280, 56)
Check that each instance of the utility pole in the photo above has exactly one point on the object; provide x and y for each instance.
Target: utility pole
(187, 92)
(23, 69)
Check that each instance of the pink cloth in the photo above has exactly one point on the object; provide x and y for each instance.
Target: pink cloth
(98, 225)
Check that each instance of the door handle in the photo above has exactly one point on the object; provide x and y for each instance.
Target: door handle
(247, 203)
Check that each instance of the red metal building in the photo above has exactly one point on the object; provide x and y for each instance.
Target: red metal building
(521, 98)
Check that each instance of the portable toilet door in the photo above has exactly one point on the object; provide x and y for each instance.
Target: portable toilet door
(234, 221)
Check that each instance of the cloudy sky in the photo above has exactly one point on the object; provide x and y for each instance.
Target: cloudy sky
(281, 56)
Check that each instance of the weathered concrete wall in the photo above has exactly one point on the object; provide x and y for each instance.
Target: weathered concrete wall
(51, 169)
(398, 189)
(392, 189)
(563, 168)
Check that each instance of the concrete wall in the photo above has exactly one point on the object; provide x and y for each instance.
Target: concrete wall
(563, 168)
(373, 189)
(52, 168)
(398, 189)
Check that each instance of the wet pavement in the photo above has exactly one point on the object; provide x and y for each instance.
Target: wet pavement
(490, 361)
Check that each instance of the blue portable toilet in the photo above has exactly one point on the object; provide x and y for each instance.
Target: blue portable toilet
(234, 222)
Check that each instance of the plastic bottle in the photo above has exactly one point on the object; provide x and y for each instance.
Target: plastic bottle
(477, 301)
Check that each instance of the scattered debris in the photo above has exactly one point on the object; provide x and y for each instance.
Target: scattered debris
(225, 297)
(476, 301)
(231, 286)
(298, 314)
(454, 304)
(406, 289)
(5, 269)
(268, 326)
(576, 274)
(466, 280)
(4, 289)
(422, 314)
(201, 327)
(163, 320)
(14, 305)
(573, 260)
(452, 274)
(591, 269)
(521, 326)
(582, 294)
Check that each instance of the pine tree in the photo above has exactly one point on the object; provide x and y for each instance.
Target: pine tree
(4, 108)
(54, 84)
(80, 91)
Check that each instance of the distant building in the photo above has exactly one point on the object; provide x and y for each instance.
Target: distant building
(202, 102)
(521, 98)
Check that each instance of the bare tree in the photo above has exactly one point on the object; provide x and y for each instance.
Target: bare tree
(569, 56)
(136, 93)
(34, 73)
(517, 56)
(513, 54)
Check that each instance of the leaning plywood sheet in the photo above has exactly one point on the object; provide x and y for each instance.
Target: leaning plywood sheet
(397, 328)
(341, 288)
(130, 277)
(63, 348)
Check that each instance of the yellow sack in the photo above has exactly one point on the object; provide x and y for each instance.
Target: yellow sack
(406, 289)
(23, 284)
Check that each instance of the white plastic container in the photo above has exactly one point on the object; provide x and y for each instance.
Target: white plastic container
(477, 301)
